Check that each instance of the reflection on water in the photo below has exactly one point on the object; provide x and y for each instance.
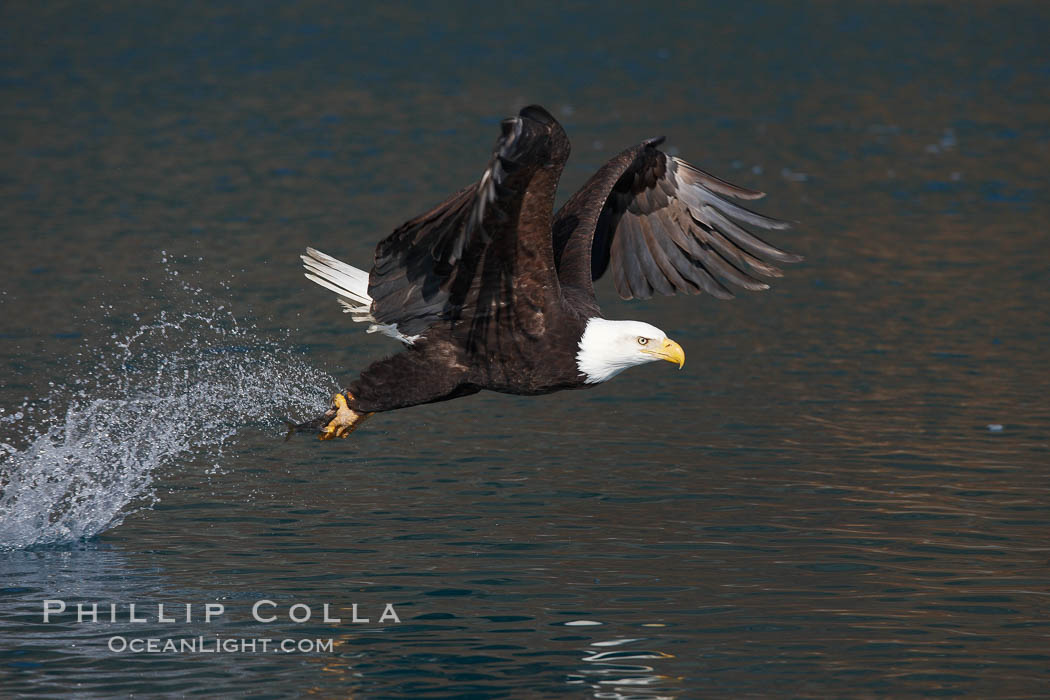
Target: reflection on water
(622, 674)
(815, 506)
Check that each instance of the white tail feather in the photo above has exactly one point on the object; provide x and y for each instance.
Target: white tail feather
(351, 284)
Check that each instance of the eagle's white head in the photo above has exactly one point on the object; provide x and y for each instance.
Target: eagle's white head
(609, 347)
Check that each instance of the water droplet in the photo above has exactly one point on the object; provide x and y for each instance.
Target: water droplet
(84, 469)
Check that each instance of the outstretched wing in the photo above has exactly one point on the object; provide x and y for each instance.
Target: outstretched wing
(433, 268)
(662, 225)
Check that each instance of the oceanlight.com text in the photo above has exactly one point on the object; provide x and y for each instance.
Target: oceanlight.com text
(218, 645)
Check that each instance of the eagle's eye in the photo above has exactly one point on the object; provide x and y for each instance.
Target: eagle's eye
(642, 341)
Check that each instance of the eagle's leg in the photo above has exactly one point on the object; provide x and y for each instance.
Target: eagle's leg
(344, 421)
(338, 421)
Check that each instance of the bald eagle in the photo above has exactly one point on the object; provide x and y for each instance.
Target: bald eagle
(493, 290)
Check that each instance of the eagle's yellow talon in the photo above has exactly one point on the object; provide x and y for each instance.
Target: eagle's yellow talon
(345, 420)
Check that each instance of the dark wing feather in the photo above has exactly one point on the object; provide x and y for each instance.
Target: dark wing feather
(433, 267)
(663, 226)
(413, 266)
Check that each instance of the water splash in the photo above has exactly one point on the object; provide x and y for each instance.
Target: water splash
(178, 387)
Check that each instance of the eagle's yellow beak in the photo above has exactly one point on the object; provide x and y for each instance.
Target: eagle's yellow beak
(670, 351)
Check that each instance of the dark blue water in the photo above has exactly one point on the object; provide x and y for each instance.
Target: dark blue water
(843, 494)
